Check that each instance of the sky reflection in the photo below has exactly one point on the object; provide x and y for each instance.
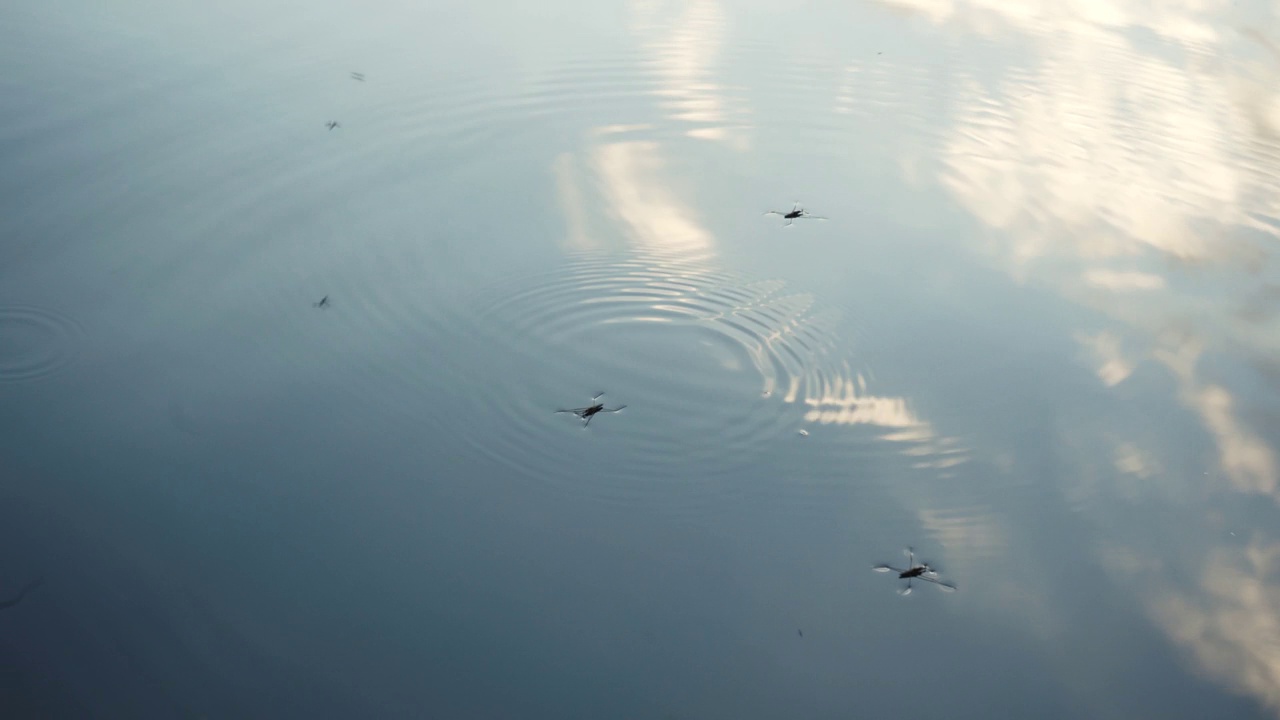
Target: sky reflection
(1038, 339)
(1138, 179)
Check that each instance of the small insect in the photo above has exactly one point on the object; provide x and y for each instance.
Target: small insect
(586, 413)
(324, 303)
(800, 633)
(357, 76)
(332, 124)
(22, 593)
(795, 213)
(915, 572)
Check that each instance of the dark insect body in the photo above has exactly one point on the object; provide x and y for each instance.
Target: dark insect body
(795, 213)
(912, 571)
(590, 411)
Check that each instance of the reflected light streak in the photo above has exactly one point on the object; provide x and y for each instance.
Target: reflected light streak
(685, 46)
(843, 401)
(571, 202)
(972, 532)
(1118, 280)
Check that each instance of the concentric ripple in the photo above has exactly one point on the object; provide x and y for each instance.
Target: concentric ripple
(702, 359)
(35, 342)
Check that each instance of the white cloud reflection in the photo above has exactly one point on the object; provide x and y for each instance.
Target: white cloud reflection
(1118, 169)
(1186, 21)
(1233, 626)
(684, 41)
(1244, 458)
(638, 190)
(843, 400)
(1104, 347)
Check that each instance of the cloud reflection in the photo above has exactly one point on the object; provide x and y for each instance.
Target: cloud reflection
(1113, 367)
(1120, 171)
(842, 400)
(684, 41)
(1233, 628)
(639, 191)
(1244, 458)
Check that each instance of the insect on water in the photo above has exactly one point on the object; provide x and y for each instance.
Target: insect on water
(912, 571)
(795, 213)
(590, 411)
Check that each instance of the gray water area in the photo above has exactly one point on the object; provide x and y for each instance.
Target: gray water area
(1035, 338)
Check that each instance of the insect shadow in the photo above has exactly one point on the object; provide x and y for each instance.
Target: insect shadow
(357, 76)
(332, 124)
(795, 213)
(912, 571)
(590, 411)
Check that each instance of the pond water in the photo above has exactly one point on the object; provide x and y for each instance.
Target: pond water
(1033, 334)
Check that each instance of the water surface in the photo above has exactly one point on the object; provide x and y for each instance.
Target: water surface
(1036, 338)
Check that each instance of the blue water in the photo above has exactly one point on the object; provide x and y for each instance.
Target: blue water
(1035, 337)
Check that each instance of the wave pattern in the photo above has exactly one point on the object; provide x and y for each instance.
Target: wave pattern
(35, 343)
(706, 358)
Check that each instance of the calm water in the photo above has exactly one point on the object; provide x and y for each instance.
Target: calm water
(1036, 338)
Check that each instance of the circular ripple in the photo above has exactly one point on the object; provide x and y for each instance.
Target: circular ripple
(709, 365)
(35, 342)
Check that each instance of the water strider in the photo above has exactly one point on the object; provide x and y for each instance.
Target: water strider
(795, 213)
(590, 411)
(915, 572)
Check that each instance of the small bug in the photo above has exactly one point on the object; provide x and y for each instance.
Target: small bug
(795, 213)
(586, 413)
(915, 572)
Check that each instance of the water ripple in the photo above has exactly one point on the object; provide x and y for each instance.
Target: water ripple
(35, 342)
(698, 355)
